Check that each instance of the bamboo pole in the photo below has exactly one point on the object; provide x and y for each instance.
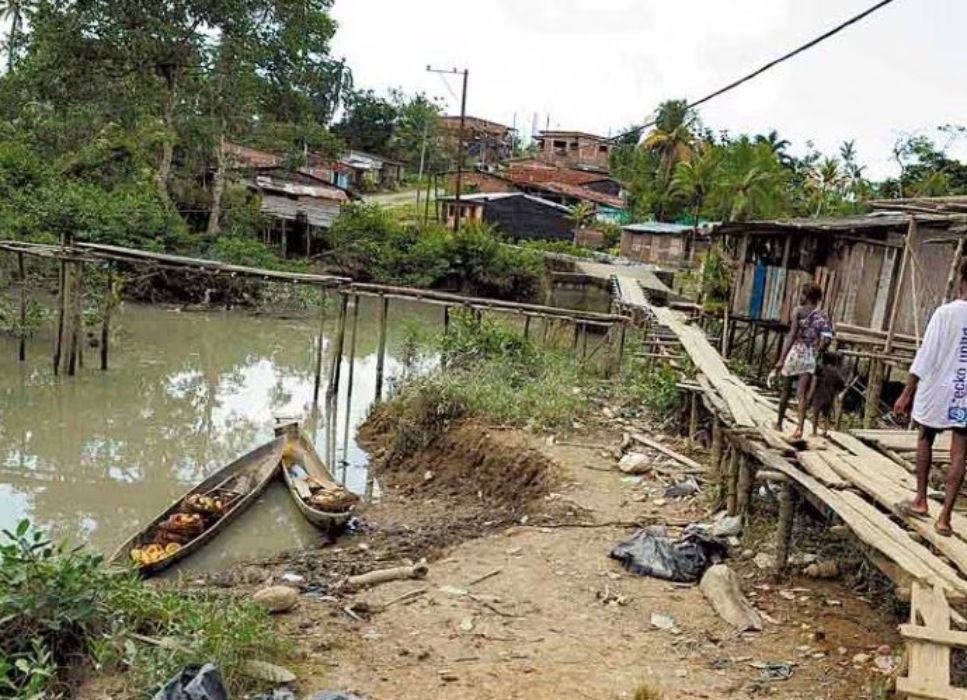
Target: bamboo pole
(320, 346)
(61, 311)
(716, 456)
(897, 299)
(76, 319)
(335, 372)
(381, 352)
(349, 384)
(109, 294)
(22, 274)
(955, 268)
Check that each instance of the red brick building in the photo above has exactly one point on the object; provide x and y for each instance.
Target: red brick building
(575, 149)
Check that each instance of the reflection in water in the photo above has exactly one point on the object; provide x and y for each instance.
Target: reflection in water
(93, 458)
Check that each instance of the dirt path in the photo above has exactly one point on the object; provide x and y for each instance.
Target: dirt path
(541, 629)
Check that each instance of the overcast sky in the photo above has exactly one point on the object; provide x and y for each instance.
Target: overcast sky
(601, 65)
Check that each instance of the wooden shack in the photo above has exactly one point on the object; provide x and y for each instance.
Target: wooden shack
(883, 274)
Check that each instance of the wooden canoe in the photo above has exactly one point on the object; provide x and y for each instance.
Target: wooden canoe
(246, 477)
(304, 455)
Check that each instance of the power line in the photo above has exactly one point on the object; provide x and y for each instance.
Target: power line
(772, 64)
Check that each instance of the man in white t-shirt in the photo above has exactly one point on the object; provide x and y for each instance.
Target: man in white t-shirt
(937, 388)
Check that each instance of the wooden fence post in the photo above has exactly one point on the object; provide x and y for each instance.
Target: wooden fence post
(109, 294)
(320, 345)
(77, 320)
(381, 352)
(787, 511)
(349, 382)
(22, 274)
(335, 371)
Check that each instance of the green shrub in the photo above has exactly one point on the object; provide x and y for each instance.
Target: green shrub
(62, 612)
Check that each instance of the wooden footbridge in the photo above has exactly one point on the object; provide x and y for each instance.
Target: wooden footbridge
(854, 480)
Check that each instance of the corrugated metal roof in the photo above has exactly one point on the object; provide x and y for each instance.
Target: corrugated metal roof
(485, 197)
(317, 212)
(584, 194)
(657, 227)
(298, 190)
(844, 224)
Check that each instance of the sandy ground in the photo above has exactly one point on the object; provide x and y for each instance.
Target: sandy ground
(549, 623)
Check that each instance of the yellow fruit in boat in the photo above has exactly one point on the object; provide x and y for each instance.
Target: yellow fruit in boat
(136, 555)
(288, 451)
(172, 548)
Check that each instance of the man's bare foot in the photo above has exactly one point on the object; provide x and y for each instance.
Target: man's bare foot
(796, 436)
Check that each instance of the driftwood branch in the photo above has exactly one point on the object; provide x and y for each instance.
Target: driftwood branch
(680, 458)
(374, 578)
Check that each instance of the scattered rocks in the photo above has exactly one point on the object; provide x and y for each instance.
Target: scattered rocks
(635, 463)
(254, 575)
(862, 659)
(277, 599)
(822, 570)
(269, 673)
(466, 624)
(663, 621)
(448, 676)
(765, 561)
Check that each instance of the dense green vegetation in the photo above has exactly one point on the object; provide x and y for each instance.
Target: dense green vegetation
(493, 373)
(63, 614)
(370, 243)
(683, 170)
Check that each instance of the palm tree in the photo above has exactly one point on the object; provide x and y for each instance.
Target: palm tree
(582, 216)
(673, 137)
(751, 182)
(776, 144)
(14, 12)
(828, 181)
(694, 179)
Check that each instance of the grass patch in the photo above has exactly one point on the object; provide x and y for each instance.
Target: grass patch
(64, 614)
(488, 370)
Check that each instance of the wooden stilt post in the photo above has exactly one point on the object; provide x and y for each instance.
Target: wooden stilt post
(62, 298)
(381, 352)
(349, 383)
(731, 482)
(446, 320)
(335, 371)
(584, 341)
(109, 294)
(76, 319)
(621, 344)
(787, 512)
(746, 482)
(693, 418)
(716, 456)
(320, 345)
(546, 331)
(577, 337)
(22, 274)
(874, 389)
(527, 327)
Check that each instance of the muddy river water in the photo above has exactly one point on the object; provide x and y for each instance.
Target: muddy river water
(93, 458)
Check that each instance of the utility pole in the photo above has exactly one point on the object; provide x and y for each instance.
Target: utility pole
(460, 138)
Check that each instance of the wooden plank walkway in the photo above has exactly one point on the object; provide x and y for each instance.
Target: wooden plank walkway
(854, 480)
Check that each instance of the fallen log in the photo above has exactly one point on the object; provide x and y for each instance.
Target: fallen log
(374, 578)
(721, 587)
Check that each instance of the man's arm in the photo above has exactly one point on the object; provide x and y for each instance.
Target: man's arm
(902, 406)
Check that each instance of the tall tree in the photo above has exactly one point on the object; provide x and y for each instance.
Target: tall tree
(14, 12)
(369, 122)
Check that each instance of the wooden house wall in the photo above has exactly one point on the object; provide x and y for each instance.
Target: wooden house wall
(859, 281)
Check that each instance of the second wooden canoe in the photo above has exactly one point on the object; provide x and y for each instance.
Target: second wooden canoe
(303, 472)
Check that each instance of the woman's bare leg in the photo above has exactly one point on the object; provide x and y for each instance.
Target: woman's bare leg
(805, 381)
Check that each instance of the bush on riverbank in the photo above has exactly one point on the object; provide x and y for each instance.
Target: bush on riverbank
(370, 244)
(63, 614)
(490, 372)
